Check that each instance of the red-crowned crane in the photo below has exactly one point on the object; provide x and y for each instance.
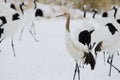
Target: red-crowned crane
(38, 13)
(78, 51)
(107, 26)
(28, 16)
(85, 35)
(10, 26)
(110, 45)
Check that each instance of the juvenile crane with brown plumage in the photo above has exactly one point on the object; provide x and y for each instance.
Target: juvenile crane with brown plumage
(77, 50)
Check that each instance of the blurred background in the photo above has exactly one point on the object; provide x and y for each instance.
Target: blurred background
(98, 4)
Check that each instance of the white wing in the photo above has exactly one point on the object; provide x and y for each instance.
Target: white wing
(75, 48)
(112, 43)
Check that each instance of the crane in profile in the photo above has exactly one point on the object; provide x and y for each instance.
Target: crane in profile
(79, 52)
(28, 16)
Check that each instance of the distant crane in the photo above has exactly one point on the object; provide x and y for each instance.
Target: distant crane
(9, 29)
(115, 13)
(77, 50)
(27, 18)
(37, 14)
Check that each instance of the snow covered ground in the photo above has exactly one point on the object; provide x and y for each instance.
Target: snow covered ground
(48, 59)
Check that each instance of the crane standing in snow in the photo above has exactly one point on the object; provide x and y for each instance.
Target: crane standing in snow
(28, 17)
(38, 13)
(107, 45)
(108, 35)
(9, 27)
(77, 50)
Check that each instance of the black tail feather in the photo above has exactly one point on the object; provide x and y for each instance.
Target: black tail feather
(89, 59)
(98, 47)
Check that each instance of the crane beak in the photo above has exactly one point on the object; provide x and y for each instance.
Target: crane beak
(111, 9)
(60, 15)
(25, 5)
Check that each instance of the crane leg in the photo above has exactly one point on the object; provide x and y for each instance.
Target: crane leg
(112, 66)
(33, 35)
(104, 57)
(78, 73)
(13, 48)
(21, 33)
(33, 27)
(2, 39)
(118, 53)
(75, 71)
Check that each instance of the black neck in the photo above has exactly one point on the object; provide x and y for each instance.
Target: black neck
(115, 12)
(5, 1)
(85, 13)
(21, 9)
(95, 12)
(35, 4)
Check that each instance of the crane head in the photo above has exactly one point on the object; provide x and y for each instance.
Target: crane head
(21, 8)
(113, 8)
(64, 14)
(23, 4)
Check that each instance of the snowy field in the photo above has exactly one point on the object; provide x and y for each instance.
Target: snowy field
(48, 59)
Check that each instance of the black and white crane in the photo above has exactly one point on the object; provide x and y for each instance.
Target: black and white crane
(10, 23)
(78, 51)
(107, 28)
(28, 16)
(85, 35)
(111, 45)
(105, 36)
(116, 14)
(9, 29)
(38, 13)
